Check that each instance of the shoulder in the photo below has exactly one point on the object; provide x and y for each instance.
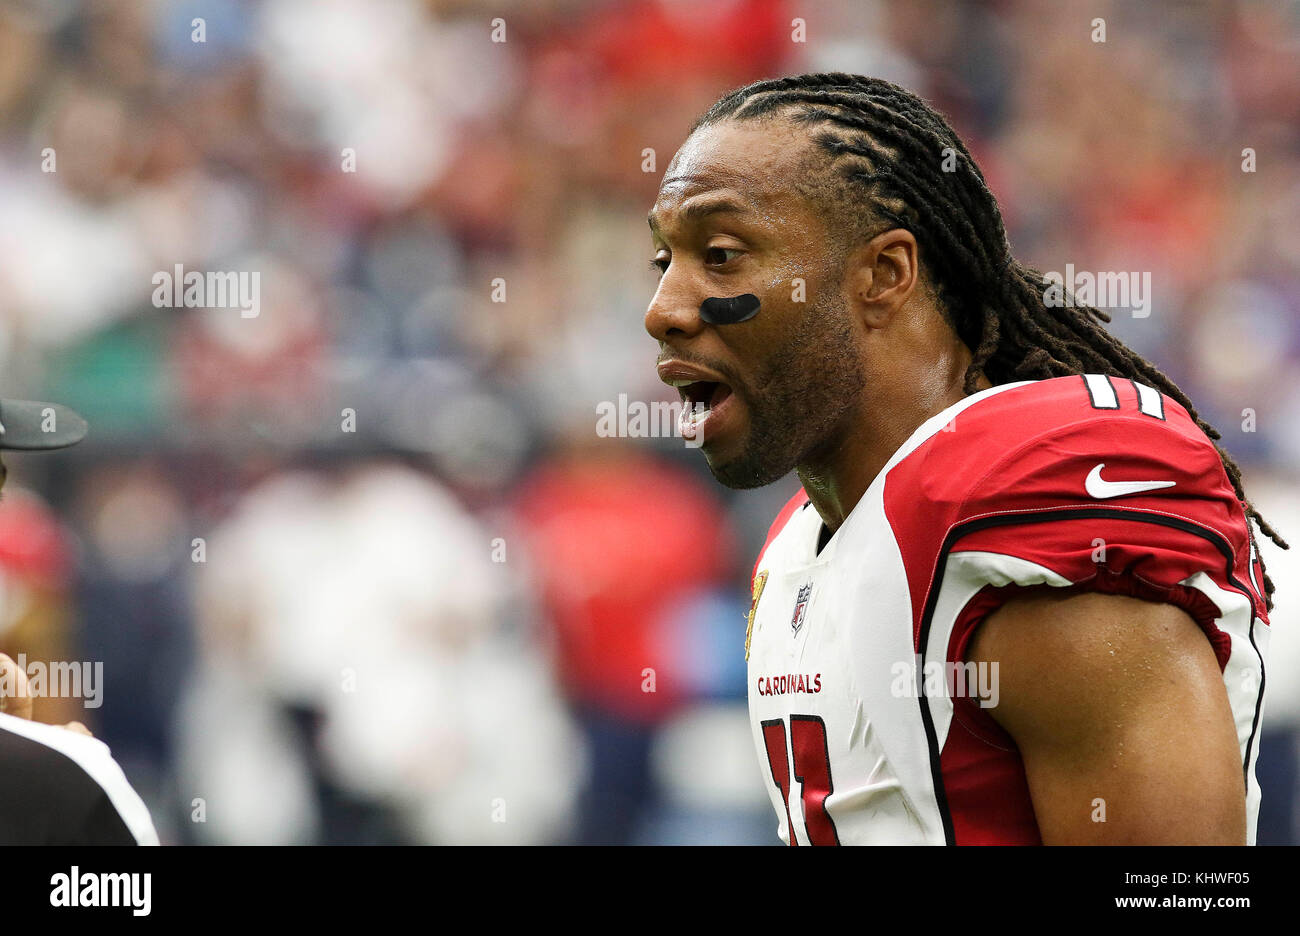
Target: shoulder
(63, 787)
(1081, 439)
(1093, 482)
(1102, 411)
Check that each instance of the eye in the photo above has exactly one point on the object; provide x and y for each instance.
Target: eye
(660, 263)
(719, 256)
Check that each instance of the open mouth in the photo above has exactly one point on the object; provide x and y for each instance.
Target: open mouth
(704, 401)
(703, 395)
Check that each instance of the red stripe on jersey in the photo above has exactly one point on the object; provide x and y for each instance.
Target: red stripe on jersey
(983, 774)
(788, 511)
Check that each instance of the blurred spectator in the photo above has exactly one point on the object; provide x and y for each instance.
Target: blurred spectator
(355, 654)
(617, 539)
(133, 604)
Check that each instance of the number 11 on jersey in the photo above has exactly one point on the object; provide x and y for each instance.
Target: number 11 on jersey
(812, 771)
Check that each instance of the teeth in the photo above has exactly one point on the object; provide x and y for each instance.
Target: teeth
(684, 382)
(691, 417)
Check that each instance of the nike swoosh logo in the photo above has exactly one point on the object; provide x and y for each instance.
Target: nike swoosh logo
(1102, 489)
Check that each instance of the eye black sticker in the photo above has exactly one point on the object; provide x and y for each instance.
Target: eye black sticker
(729, 310)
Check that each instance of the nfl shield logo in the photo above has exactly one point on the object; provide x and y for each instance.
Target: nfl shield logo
(800, 607)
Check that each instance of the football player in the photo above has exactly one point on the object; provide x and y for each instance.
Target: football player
(1018, 598)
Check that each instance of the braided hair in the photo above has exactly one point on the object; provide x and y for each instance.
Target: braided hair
(890, 151)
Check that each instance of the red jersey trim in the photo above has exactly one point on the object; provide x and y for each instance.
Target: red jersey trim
(782, 518)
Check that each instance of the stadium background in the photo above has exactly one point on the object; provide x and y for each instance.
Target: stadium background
(441, 627)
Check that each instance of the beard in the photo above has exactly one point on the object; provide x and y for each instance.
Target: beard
(803, 394)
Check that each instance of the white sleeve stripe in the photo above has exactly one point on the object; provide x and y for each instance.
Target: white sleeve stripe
(93, 757)
(1102, 392)
(965, 574)
(1149, 400)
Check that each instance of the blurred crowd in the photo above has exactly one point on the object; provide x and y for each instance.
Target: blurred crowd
(360, 568)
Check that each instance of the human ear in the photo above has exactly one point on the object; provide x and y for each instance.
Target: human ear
(883, 273)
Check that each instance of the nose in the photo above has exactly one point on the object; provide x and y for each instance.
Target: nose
(674, 312)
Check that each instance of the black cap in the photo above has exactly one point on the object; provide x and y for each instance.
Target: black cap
(28, 426)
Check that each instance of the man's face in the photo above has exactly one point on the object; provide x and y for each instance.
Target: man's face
(728, 221)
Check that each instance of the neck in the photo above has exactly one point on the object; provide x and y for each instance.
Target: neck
(837, 476)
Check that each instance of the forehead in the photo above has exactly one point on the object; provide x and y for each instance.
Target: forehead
(754, 163)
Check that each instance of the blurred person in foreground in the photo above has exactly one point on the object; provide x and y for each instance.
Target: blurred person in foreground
(608, 580)
(356, 683)
(58, 785)
(1018, 599)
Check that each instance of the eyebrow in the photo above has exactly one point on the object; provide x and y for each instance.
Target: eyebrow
(695, 210)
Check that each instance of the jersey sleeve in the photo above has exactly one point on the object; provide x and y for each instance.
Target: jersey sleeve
(1115, 505)
(1081, 484)
(1120, 501)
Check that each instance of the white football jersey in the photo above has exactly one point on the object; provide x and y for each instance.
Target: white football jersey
(869, 729)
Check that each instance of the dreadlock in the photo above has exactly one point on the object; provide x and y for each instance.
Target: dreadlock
(886, 144)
